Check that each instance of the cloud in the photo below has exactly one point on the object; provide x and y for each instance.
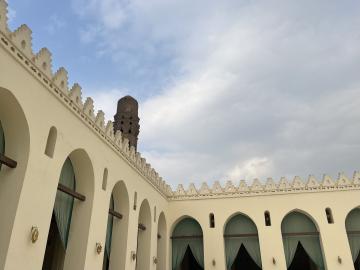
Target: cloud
(55, 24)
(11, 15)
(245, 88)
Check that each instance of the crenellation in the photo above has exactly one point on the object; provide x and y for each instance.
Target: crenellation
(180, 191)
(61, 80)
(109, 130)
(192, 190)
(298, 183)
(256, 186)
(312, 182)
(3, 17)
(243, 187)
(356, 178)
(100, 120)
(217, 188)
(230, 187)
(327, 181)
(22, 39)
(204, 189)
(43, 60)
(88, 108)
(284, 184)
(343, 180)
(76, 95)
(270, 184)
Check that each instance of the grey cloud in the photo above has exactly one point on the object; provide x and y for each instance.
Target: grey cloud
(246, 81)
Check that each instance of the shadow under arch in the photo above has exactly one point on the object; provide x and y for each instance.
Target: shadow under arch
(77, 166)
(301, 241)
(352, 225)
(118, 236)
(144, 237)
(242, 248)
(17, 146)
(187, 245)
(161, 242)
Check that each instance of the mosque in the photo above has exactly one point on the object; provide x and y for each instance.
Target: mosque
(76, 194)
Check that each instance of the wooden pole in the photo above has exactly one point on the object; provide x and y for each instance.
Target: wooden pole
(8, 161)
(115, 214)
(70, 192)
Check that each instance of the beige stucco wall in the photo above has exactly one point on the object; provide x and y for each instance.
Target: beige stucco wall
(27, 193)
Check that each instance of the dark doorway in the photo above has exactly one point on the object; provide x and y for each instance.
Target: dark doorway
(301, 260)
(189, 262)
(55, 251)
(243, 261)
(357, 262)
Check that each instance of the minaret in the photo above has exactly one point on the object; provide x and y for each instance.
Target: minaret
(127, 119)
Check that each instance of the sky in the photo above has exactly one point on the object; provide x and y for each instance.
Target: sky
(228, 90)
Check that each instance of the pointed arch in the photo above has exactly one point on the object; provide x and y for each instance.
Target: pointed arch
(77, 167)
(15, 145)
(161, 242)
(301, 237)
(187, 240)
(119, 234)
(51, 142)
(242, 241)
(144, 237)
(352, 224)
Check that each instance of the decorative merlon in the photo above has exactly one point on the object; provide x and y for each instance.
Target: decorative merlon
(256, 188)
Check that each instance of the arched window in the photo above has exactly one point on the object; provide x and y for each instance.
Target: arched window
(352, 224)
(329, 216)
(267, 218)
(154, 213)
(105, 177)
(144, 237)
(242, 247)
(61, 219)
(301, 242)
(51, 142)
(187, 245)
(212, 220)
(135, 200)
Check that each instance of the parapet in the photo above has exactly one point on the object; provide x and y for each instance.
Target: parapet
(270, 187)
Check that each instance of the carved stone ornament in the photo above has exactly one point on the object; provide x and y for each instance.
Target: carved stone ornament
(98, 248)
(34, 234)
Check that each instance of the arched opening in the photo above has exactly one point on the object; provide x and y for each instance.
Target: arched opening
(161, 243)
(135, 201)
(51, 142)
(301, 243)
(352, 224)
(242, 248)
(267, 218)
(69, 227)
(14, 154)
(212, 220)
(329, 216)
(105, 177)
(144, 237)
(187, 246)
(61, 220)
(117, 228)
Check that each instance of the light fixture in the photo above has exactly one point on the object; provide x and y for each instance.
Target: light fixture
(34, 234)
